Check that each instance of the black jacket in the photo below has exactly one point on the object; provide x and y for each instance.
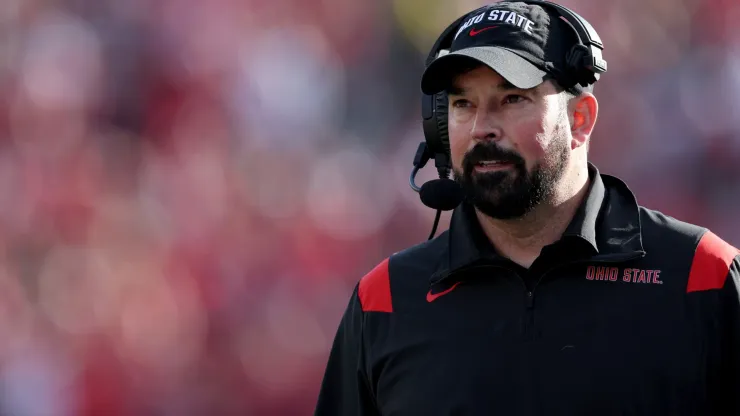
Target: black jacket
(630, 313)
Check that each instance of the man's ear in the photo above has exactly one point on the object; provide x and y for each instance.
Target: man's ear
(583, 111)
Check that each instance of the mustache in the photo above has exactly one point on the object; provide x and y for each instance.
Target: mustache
(490, 151)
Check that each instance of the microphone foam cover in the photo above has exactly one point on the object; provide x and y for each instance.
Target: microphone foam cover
(441, 194)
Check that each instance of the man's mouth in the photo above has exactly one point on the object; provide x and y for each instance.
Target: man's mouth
(492, 165)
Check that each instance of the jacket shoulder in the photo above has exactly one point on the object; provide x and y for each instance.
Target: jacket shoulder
(423, 258)
(708, 255)
(379, 289)
(658, 225)
(374, 289)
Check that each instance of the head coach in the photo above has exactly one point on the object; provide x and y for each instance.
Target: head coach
(553, 292)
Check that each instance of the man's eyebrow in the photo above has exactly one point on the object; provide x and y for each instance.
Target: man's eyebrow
(504, 85)
(455, 90)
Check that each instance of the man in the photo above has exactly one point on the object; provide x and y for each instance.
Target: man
(553, 292)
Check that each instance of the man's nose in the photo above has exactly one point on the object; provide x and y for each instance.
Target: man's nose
(486, 126)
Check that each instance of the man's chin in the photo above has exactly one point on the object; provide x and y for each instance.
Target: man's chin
(490, 181)
(499, 173)
(500, 211)
(492, 200)
(500, 202)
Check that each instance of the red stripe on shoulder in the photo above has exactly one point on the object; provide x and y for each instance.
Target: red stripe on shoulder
(711, 263)
(375, 289)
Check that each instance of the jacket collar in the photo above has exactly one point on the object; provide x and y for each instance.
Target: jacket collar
(607, 225)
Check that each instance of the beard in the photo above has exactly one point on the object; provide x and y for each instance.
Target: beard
(512, 192)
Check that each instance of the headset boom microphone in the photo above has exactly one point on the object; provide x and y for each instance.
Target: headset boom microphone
(442, 194)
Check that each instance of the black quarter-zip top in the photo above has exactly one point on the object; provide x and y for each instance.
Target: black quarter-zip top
(631, 312)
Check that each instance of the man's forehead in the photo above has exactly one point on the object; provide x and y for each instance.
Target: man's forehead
(463, 81)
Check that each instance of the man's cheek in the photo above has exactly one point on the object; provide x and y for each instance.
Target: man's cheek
(531, 152)
(458, 151)
(458, 163)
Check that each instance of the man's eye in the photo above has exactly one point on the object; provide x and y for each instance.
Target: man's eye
(461, 103)
(513, 99)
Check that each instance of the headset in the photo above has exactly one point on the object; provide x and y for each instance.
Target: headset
(584, 66)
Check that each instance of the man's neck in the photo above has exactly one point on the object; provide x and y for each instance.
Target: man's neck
(522, 239)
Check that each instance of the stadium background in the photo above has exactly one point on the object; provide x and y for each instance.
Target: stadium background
(190, 189)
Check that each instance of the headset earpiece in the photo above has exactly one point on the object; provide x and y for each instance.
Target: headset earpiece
(577, 71)
(434, 121)
(443, 140)
(584, 60)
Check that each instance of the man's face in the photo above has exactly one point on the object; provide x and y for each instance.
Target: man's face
(509, 147)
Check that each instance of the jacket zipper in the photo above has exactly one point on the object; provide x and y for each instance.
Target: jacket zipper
(528, 323)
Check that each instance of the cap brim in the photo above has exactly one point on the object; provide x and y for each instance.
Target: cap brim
(512, 67)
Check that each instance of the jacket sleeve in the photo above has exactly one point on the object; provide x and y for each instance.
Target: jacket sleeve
(344, 389)
(730, 380)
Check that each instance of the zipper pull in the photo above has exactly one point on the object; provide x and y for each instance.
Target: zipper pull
(530, 299)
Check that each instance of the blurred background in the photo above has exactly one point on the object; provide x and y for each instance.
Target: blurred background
(189, 190)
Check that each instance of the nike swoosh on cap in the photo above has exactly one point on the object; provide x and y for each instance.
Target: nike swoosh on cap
(474, 32)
